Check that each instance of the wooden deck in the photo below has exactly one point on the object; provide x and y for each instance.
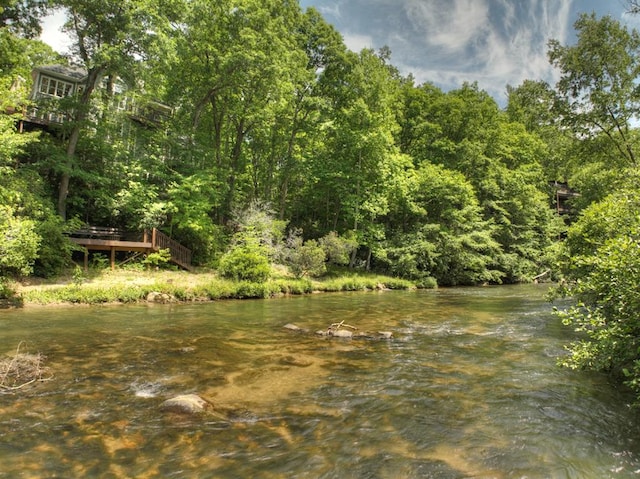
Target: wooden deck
(107, 239)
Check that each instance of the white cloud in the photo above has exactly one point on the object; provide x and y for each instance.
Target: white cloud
(52, 34)
(492, 42)
(449, 25)
(356, 42)
(330, 11)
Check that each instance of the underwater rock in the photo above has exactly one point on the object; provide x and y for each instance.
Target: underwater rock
(293, 327)
(186, 404)
(296, 360)
(385, 334)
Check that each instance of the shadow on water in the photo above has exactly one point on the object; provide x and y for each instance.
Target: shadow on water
(468, 387)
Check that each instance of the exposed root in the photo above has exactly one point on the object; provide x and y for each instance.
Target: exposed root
(22, 369)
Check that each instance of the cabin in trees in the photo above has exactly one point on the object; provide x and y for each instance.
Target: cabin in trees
(54, 83)
(563, 197)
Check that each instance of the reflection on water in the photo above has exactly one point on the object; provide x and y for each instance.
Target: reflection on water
(468, 387)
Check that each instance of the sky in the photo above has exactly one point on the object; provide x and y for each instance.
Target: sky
(448, 42)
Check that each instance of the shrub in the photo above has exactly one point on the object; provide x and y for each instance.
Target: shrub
(54, 253)
(158, 259)
(306, 259)
(6, 291)
(603, 251)
(19, 242)
(338, 249)
(245, 262)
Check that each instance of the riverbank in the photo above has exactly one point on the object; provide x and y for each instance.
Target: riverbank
(122, 286)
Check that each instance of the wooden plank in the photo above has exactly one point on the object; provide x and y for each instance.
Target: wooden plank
(108, 243)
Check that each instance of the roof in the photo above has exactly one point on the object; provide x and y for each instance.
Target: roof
(72, 73)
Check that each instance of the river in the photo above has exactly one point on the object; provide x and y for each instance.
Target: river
(468, 387)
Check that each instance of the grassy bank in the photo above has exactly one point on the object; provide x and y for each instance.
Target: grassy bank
(135, 286)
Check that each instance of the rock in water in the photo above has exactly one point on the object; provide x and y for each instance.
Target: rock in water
(186, 404)
(341, 333)
(293, 327)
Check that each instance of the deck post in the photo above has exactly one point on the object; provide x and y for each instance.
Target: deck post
(113, 258)
(153, 238)
(86, 260)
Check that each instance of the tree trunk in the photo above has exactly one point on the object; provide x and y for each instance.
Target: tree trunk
(81, 115)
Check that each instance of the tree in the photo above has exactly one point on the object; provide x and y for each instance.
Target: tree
(109, 39)
(464, 131)
(439, 232)
(603, 265)
(22, 17)
(19, 240)
(241, 77)
(358, 164)
(598, 83)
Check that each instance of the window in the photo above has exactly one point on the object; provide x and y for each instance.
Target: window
(53, 87)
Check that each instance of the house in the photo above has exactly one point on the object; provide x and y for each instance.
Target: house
(563, 197)
(52, 83)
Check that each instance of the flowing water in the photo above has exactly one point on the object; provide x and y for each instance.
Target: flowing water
(467, 388)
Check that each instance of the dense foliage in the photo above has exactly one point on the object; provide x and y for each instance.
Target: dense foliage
(269, 107)
(598, 102)
(283, 146)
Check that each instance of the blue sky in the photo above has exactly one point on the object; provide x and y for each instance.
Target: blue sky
(447, 42)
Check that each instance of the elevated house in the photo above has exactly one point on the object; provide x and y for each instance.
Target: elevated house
(53, 83)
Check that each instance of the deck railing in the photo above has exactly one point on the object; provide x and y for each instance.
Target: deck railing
(179, 254)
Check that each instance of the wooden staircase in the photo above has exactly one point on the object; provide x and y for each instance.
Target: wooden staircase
(180, 255)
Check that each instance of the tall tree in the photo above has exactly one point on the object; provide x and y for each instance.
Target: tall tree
(109, 38)
(358, 164)
(239, 73)
(598, 83)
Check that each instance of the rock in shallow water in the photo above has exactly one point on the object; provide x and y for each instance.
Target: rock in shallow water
(186, 404)
(293, 327)
(341, 333)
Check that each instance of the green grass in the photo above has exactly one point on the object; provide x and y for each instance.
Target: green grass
(130, 287)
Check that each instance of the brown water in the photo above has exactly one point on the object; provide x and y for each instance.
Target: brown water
(468, 388)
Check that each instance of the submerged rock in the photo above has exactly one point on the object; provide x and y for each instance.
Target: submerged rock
(293, 327)
(296, 360)
(186, 404)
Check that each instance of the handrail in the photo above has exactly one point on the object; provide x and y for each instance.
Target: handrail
(179, 254)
